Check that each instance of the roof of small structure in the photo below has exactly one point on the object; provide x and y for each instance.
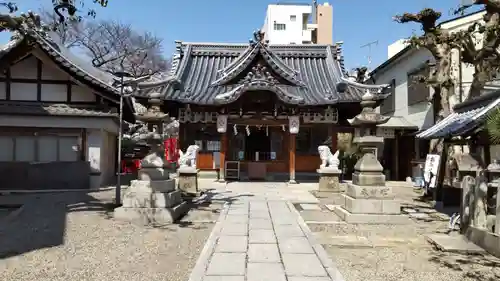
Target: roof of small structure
(465, 118)
(214, 73)
(31, 35)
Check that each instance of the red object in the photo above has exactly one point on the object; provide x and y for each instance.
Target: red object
(171, 154)
(130, 166)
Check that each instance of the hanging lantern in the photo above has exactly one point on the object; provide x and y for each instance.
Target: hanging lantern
(235, 129)
(294, 123)
(247, 128)
(221, 123)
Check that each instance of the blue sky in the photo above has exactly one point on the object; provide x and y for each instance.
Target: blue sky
(356, 22)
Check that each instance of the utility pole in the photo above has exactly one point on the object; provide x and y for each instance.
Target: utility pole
(369, 46)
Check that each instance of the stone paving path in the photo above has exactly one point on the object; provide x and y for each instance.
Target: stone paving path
(262, 240)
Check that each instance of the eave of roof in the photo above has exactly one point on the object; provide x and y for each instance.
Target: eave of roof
(95, 78)
(52, 109)
(467, 116)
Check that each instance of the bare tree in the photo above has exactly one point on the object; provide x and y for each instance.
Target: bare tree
(66, 32)
(73, 10)
(438, 42)
(111, 45)
(483, 56)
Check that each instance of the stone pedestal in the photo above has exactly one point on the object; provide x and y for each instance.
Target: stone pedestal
(367, 199)
(329, 179)
(152, 199)
(188, 181)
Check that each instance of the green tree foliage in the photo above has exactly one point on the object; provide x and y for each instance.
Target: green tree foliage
(493, 126)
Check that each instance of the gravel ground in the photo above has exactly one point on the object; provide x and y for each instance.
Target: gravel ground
(396, 252)
(71, 236)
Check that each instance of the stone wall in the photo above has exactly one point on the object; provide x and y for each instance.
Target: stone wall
(43, 176)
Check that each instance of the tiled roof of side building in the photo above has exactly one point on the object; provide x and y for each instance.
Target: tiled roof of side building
(26, 108)
(104, 84)
(212, 73)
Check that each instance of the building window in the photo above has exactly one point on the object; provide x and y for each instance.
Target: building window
(279, 26)
(388, 105)
(49, 148)
(309, 138)
(293, 18)
(206, 137)
(418, 91)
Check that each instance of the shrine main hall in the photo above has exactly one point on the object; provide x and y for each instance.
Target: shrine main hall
(259, 111)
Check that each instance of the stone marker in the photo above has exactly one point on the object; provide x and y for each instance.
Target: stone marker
(188, 180)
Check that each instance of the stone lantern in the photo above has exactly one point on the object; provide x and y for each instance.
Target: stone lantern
(153, 197)
(367, 199)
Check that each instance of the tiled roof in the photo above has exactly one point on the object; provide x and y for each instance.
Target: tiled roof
(104, 83)
(211, 73)
(466, 117)
(28, 108)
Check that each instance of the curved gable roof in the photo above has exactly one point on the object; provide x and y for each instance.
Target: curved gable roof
(205, 74)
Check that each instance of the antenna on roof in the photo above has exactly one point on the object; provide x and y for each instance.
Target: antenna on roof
(369, 46)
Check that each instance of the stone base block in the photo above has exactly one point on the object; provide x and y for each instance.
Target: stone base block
(133, 199)
(368, 179)
(484, 239)
(329, 180)
(152, 186)
(147, 216)
(371, 206)
(152, 173)
(369, 192)
(370, 218)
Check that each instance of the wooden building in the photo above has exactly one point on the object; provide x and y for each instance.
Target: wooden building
(266, 107)
(58, 117)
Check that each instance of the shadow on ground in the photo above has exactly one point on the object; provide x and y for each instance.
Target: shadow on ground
(41, 222)
(468, 264)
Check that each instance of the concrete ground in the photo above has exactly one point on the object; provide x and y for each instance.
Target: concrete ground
(260, 237)
(71, 236)
(394, 252)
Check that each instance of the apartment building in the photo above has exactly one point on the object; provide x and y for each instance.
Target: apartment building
(307, 23)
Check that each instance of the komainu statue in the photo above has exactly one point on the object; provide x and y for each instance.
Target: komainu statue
(188, 159)
(327, 158)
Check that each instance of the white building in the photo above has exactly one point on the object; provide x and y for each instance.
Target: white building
(299, 24)
(58, 118)
(409, 103)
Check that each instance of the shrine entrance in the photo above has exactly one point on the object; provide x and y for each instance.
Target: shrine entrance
(258, 146)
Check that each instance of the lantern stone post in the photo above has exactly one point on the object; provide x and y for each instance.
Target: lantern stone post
(367, 199)
(153, 197)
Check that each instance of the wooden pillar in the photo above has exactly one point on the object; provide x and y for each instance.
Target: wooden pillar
(83, 145)
(222, 156)
(291, 157)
